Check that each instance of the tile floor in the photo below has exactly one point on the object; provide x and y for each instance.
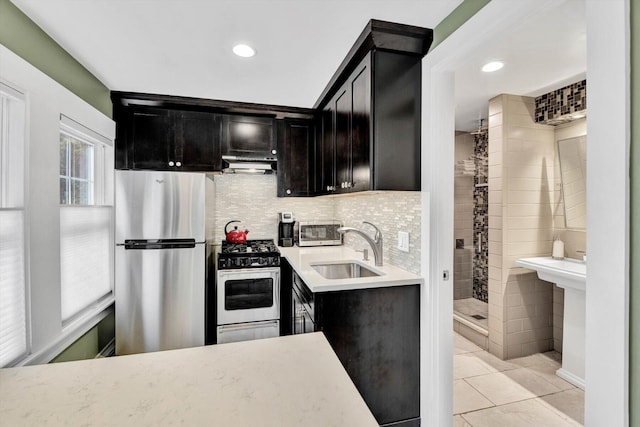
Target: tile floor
(523, 392)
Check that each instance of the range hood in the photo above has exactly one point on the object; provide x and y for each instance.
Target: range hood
(248, 165)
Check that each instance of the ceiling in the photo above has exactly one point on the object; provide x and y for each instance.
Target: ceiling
(183, 47)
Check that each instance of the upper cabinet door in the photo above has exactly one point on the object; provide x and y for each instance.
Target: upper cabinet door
(360, 85)
(151, 139)
(325, 155)
(249, 137)
(295, 151)
(342, 111)
(198, 141)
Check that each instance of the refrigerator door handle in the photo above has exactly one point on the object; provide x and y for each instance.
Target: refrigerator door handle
(159, 243)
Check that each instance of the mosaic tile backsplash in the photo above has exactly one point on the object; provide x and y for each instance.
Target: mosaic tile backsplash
(252, 200)
(481, 218)
(390, 211)
(556, 107)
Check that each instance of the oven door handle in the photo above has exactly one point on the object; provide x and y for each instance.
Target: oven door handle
(249, 325)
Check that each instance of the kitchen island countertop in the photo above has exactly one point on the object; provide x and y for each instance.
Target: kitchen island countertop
(285, 381)
(302, 259)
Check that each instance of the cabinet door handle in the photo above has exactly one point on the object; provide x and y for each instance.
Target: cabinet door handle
(274, 152)
(178, 164)
(288, 191)
(171, 163)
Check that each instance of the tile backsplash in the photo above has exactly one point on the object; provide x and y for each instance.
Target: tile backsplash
(391, 212)
(252, 199)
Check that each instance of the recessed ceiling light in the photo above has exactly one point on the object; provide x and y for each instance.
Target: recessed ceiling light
(244, 50)
(492, 66)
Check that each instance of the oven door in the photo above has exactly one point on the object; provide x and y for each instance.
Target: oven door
(248, 295)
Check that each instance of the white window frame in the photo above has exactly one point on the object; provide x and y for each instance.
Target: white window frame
(102, 199)
(11, 203)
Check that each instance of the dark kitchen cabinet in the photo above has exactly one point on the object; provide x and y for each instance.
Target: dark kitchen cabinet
(372, 124)
(249, 137)
(198, 140)
(376, 335)
(151, 138)
(296, 145)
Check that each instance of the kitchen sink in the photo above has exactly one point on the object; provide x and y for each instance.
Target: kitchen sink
(344, 270)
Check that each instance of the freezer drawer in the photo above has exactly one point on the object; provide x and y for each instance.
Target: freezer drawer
(248, 331)
(159, 299)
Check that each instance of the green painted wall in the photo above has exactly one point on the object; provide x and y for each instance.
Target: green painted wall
(21, 35)
(634, 261)
(455, 19)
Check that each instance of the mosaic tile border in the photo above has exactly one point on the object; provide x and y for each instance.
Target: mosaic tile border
(556, 107)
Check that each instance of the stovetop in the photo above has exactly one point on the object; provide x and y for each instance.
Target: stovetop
(251, 246)
(252, 254)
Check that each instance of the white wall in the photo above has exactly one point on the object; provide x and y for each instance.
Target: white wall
(46, 100)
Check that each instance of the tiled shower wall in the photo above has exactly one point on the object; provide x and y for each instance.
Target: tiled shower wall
(252, 200)
(463, 219)
(521, 177)
(481, 218)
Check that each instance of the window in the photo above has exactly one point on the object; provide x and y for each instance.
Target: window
(76, 170)
(86, 219)
(13, 306)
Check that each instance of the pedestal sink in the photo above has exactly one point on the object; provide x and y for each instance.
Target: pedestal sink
(572, 276)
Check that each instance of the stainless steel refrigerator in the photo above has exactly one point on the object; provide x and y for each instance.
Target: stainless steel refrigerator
(160, 261)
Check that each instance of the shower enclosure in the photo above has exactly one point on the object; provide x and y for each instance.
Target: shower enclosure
(471, 230)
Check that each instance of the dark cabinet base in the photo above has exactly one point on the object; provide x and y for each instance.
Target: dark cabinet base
(376, 335)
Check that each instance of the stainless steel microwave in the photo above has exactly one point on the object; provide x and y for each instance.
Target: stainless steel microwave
(319, 233)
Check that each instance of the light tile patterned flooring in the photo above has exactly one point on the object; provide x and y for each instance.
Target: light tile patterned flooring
(523, 392)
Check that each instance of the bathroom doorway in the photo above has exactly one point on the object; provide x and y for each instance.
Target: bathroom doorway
(471, 230)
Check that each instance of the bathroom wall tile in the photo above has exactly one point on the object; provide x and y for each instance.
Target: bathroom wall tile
(513, 351)
(495, 106)
(530, 209)
(520, 107)
(528, 235)
(539, 346)
(495, 247)
(495, 346)
(514, 326)
(495, 197)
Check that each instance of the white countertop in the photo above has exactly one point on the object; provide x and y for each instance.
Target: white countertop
(286, 381)
(301, 260)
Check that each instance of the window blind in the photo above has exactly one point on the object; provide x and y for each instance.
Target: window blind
(85, 257)
(13, 306)
(13, 333)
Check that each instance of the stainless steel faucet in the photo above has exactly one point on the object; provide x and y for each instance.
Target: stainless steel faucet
(376, 242)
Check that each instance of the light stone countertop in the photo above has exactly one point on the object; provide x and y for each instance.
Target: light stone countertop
(301, 260)
(286, 381)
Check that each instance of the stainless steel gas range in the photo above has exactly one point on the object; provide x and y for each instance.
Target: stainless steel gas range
(248, 291)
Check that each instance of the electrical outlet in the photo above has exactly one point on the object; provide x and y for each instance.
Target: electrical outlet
(403, 241)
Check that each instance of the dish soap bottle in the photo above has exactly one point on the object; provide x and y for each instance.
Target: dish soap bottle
(558, 249)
